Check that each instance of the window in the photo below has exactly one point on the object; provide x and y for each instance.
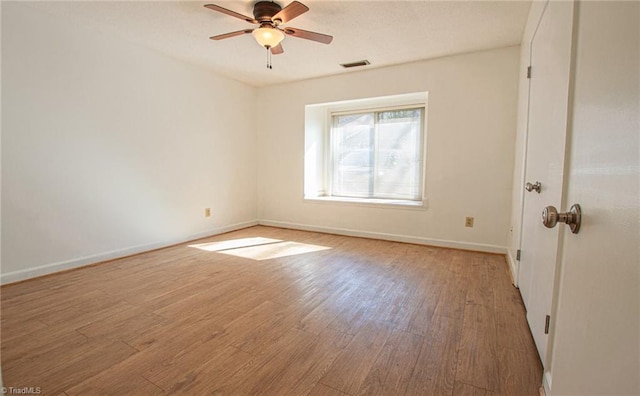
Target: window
(377, 154)
(366, 151)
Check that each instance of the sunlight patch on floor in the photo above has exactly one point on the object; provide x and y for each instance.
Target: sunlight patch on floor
(274, 250)
(259, 248)
(234, 244)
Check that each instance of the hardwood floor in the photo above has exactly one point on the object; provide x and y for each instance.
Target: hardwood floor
(362, 317)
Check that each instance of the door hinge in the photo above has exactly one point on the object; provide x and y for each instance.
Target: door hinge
(518, 254)
(546, 324)
(528, 71)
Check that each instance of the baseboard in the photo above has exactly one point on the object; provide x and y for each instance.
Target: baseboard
(479, 247)
(21, 275)
(513, 266)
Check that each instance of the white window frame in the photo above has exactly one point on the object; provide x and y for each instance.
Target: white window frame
(322, 193)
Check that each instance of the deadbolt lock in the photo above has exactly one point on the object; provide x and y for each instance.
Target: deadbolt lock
(551, 217)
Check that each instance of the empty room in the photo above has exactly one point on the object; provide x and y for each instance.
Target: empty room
(320, 197)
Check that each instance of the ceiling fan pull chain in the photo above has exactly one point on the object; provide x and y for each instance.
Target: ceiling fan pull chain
(269, 66)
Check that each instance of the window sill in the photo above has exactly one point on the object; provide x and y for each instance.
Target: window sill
(368, 202)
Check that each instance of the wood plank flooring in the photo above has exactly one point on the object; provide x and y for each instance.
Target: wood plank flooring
(364, 317)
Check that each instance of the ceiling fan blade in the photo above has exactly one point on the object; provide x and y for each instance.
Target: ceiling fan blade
(305, 34)
(294, 9)
(229, 12)
(277, 50)
(231, 34)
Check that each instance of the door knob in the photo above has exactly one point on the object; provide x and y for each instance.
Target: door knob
(533, 187)
(551, 217)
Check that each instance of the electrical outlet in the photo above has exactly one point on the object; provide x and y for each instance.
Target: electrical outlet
(207, 212)
(468, 222)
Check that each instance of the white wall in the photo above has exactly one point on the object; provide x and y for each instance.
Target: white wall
(110, 148)
(596, 347)
(471, 121)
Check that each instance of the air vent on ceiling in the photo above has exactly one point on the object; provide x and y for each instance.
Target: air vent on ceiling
(355, 64)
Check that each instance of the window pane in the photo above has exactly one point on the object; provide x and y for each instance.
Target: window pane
(352, 155)
(397, 160)
(377, 154)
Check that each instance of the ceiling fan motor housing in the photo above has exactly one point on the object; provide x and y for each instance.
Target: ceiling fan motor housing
(263, 11)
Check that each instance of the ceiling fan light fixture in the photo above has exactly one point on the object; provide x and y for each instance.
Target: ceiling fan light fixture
(268, 37)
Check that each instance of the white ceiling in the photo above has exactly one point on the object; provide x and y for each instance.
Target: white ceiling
(384, 32)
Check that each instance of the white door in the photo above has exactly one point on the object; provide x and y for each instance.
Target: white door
(548, 101)
(596, 335)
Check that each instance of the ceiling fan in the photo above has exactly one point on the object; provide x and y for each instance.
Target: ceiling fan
(269, 16)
